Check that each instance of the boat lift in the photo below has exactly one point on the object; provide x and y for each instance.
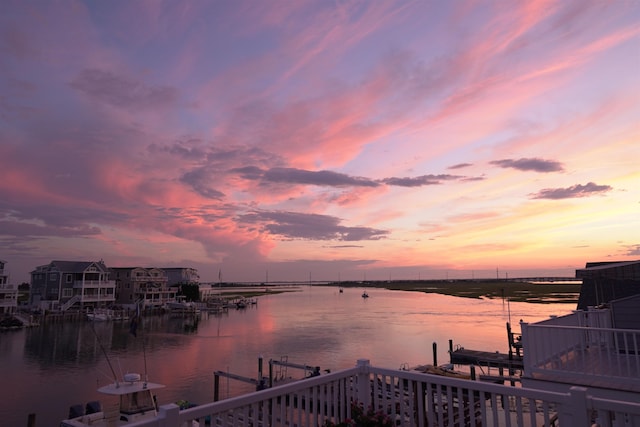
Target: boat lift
(313, 371)
(261, 382)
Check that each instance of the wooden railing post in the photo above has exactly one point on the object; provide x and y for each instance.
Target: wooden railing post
(364, 383)
(169, 415)
(576, 412)
(528, 355)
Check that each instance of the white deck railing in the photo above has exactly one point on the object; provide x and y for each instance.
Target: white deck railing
(405, 398)
(583, 354)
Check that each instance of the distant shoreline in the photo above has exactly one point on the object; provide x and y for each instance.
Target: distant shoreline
(517, 291)
(513, 290)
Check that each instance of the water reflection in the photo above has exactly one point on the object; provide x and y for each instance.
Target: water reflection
(54, 366)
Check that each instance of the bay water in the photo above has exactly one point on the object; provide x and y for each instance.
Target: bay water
(48, 368)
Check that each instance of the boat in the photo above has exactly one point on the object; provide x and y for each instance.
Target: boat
(181, 306)
(365, 294)
(180, 303)
(105, 315)
(136, 402)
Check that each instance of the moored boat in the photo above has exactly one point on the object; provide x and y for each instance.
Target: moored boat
(136, 402)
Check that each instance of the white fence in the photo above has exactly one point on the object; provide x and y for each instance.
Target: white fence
(402, 398)
(583, 353)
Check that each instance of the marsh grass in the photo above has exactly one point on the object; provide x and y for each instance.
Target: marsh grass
(513, 290)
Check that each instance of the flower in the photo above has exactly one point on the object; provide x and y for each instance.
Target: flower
(362, 418)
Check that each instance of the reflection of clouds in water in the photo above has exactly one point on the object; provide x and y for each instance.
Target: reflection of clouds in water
(315, 327)
(307, 339)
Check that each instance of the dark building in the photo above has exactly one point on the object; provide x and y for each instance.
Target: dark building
(606, 281)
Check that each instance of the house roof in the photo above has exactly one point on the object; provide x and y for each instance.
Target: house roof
(76, 266)
(607, 265)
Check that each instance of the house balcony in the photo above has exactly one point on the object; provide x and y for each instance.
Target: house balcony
(8, 302)
(8, 296)
(581, 349)
(97, 298)
(403, 398)
(94, 284)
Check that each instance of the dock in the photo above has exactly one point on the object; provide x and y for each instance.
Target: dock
(463, 356)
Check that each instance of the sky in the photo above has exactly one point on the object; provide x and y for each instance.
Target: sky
(320, 140)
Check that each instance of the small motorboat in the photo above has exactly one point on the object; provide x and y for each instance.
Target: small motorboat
(136, 403)
(365, 294)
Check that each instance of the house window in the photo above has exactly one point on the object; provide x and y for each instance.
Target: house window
(69, 278)
(53, 277)
(67, 293)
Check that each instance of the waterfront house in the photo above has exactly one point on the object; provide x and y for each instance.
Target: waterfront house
(149, 285)
(182, 275)
(597, 346)
(605, 281)
(8, 292)
(61, 285)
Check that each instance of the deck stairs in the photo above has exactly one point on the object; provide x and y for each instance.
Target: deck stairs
(67, 305)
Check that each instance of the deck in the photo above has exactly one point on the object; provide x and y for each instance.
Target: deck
(570, 351)
(463, 356)
(407, 398)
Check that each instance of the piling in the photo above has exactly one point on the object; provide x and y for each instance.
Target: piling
(31, 420)
(435, 354)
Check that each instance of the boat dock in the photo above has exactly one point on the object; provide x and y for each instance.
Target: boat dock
(463, 356)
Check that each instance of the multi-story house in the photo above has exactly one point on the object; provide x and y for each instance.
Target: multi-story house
(8, 292)
(182, 275)
(138, 284)
(65, 284)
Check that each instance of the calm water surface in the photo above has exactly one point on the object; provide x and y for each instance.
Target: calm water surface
(45, 370)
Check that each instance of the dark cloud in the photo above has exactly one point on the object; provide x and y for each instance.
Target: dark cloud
(533, 164)
(460, 166)
(251, 173)
(574, 191)
(335, 179)
(295, 225)
(120, 91)
(26, 230)
(419, 181)
(200, 180)
(324, 178)
(75, 217)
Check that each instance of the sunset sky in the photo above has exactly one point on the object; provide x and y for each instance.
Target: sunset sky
(322, 140)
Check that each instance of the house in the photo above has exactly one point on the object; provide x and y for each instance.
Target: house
(181, 275)
(66, 284)
(596, 346)
(606, 281)
(148, 285)
(8, 292)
